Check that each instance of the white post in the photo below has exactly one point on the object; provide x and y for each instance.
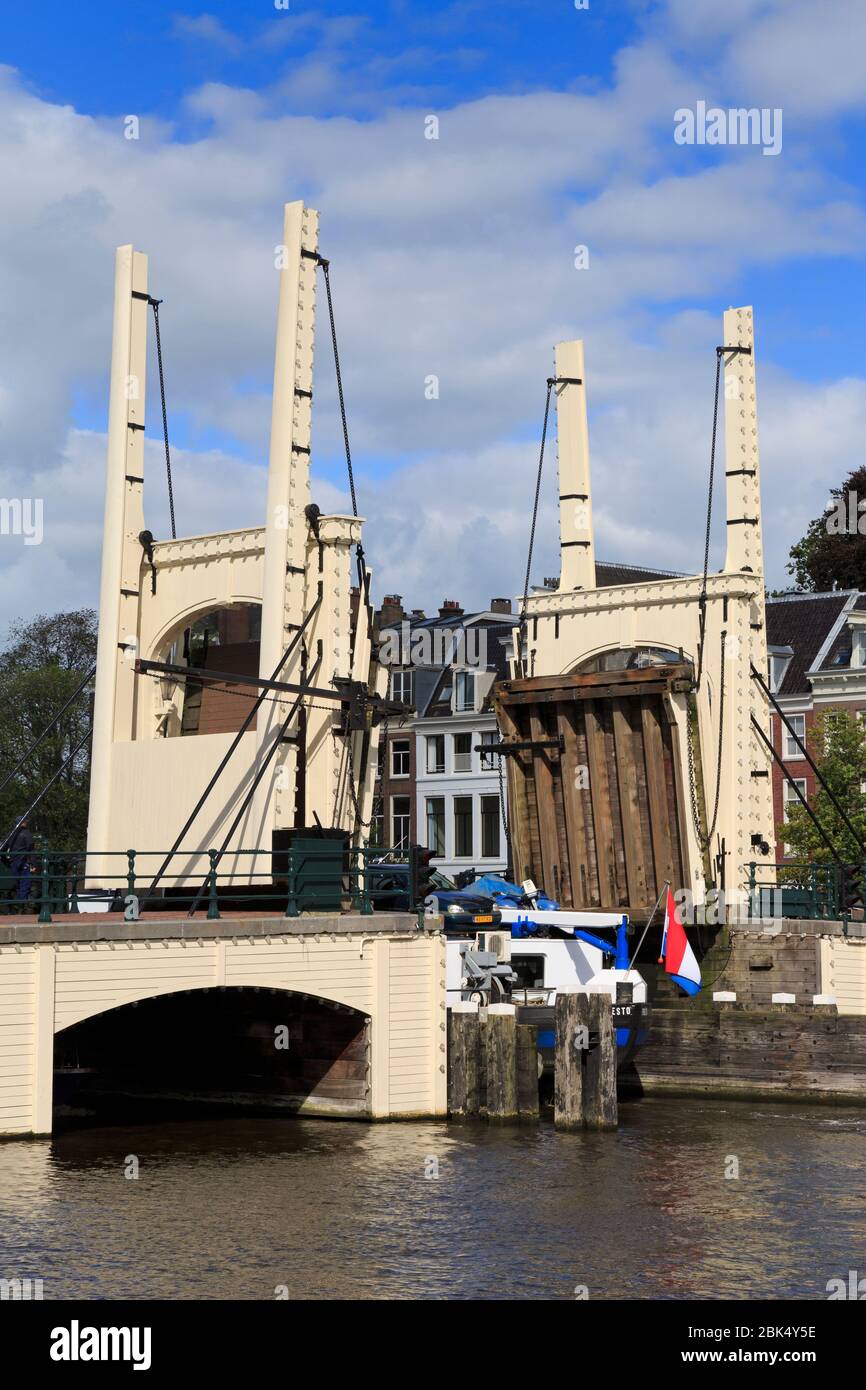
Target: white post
(114, 701)
(286, 526)
(577, 553)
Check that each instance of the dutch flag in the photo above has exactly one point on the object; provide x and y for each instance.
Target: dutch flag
(677, 955)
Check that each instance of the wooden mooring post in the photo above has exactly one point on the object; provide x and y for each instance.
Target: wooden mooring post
(492, 1064)
(467, 1086)
(501, 1061)
(585, 1065)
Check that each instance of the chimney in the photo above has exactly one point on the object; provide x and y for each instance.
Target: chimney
(417, 615)
(391, 611)
(450, 609)
(500, 605)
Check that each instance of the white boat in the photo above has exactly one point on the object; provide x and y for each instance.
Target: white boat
(546, 951)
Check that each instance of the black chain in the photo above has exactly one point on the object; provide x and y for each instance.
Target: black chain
(551, 381)
(502, 800)
(155, 303)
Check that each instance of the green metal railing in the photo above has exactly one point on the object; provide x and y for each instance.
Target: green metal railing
(799, 889)
(324, 876)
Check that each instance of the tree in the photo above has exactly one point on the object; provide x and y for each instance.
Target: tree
(837, 742)
(43, 663)
(832, 554)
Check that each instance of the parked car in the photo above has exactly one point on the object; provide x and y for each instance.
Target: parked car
(462, 910)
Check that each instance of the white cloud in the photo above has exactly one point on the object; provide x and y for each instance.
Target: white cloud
(452, 257)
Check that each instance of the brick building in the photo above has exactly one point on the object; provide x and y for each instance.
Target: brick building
(817, 655)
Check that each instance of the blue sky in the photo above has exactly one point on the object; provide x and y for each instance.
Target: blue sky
(452, 257)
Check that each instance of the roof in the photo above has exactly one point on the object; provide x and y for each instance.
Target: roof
(805, 622)
(608, 575)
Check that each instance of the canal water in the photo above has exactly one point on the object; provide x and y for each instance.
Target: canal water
(265, 1208)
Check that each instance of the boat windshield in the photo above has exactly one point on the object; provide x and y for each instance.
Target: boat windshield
(443, 881)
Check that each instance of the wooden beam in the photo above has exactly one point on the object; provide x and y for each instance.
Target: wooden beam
(600, 796)
(577, 803)
(664, 860)
(626, 776)
(543, 771)
(630, 676)
(612, 690)
(518, 798)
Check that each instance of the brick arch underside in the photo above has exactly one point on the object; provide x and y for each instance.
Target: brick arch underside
(256, 1048)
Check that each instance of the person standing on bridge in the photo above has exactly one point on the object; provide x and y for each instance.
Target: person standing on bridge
(20, 850)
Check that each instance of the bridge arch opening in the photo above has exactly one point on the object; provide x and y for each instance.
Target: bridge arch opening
(217, 639)
(253, 1050)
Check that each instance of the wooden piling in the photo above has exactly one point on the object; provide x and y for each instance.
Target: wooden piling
(585, 1064)
(527, 1071)
(501, 1059)
(466, 1085)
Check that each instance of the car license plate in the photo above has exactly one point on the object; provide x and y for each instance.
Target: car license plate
(482, 919)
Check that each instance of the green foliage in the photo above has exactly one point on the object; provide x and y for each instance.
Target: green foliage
(43, 663)
(831, 555)
(837, 742)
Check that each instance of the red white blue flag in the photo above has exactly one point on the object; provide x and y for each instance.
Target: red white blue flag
(677, 955)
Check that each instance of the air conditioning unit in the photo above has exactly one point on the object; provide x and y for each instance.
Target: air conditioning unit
(497, 942)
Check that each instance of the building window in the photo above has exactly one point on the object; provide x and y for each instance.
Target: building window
(464, 686)
(400, 757)
(790, 798)
(798, 724)
(401, 817)
(462, 752)
(463, 827)
(436, 825)
(778, 663)
(435, 752)
(401, 686)
(377, 830)
(490, 827)
(488, 763)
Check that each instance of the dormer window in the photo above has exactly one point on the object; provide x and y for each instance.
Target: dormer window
(778, 661)
(464, 691)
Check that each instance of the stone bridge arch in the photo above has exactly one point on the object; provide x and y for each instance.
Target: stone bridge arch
(384, 969)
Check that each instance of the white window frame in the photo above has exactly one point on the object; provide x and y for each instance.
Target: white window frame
(467, 756)
(790, 751)
(462, 679)
(435, 741)
(405, 751)
(490, 796)
(789, 798)
(463, 796)
(488, 762)
(398, 840)
(401, 682)
(439, 854)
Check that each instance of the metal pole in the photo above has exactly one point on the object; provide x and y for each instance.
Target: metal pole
(649, 922)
